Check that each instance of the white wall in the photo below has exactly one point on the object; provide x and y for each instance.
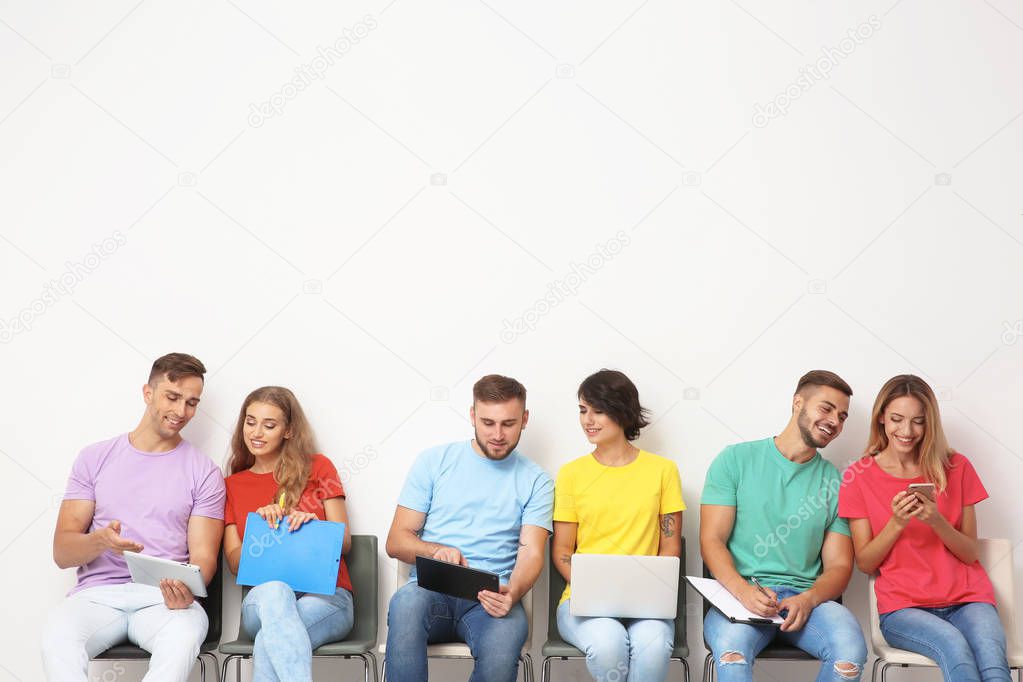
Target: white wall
(366, 243)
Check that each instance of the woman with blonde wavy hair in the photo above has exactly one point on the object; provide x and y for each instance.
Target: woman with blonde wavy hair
(275, 472)
(933, 596)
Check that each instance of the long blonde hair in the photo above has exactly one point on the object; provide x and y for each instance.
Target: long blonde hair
(934, 449)
(291, 472)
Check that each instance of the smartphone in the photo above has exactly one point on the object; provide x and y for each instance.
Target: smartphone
(925, 489)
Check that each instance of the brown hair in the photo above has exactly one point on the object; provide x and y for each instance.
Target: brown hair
(822, 377)
(175, 366)
(495, 388)
(934, 449)
(292, 470)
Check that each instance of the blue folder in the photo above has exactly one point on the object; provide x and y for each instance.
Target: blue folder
(307, 559)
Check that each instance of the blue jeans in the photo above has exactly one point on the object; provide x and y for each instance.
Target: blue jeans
(286, 627)
(637, 650)
(965, 640)
(831, 633)
(417, 617)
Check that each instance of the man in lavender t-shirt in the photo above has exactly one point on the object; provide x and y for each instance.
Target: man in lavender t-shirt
(147, 491)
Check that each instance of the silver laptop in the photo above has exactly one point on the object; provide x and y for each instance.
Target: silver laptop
(620, 586)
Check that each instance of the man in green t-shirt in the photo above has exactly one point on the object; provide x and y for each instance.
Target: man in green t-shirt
(769, 514)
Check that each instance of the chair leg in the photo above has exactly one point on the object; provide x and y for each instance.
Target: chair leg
(214, 665)
(373, 660)
(708, 667)
(383, 669)
(873, 672)
(685, 669)
(526, 661)
(227, 661)
(545, 669)
(884, 672)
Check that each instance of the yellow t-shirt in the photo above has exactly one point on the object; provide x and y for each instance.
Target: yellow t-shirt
(618, 509)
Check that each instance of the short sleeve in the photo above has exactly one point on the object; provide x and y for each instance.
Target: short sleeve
(839, 525)
(229, 507)
(671, 489)
(851, 504)
(722, 481)
(540, 505)
(210, 495)
(81, 483)
(564, 496)
(326, 481)
(973, 490)
(417, 493)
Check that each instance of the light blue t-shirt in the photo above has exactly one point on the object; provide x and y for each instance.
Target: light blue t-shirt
(478, 505)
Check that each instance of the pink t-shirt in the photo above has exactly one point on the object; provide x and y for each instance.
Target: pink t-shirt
(919, 570)
(152, 494)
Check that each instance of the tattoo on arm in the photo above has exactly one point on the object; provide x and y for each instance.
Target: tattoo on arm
(566, 559)
(667, 525)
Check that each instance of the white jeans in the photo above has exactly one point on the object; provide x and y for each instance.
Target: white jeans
(91, 621)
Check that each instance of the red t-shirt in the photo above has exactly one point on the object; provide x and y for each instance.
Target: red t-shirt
(919, 570)
(247, 492)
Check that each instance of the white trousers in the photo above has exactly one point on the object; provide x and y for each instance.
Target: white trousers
(91, 621)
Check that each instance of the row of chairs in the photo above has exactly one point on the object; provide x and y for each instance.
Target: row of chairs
(361, 643)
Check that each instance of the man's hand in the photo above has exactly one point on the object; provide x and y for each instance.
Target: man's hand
(450, 555)
(176, 594)
(799, 607)
(497, 604)
(757, 602)
(110, 538)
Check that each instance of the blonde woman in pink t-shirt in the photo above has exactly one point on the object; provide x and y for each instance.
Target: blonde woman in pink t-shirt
(933, 596)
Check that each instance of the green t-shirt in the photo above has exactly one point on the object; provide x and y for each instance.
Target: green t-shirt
(783, 510)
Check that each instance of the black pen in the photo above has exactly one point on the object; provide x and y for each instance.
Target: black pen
(760, 587)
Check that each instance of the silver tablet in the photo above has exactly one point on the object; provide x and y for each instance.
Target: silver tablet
(150, 570)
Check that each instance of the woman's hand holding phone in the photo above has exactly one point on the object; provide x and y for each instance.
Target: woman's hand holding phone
(903, 506)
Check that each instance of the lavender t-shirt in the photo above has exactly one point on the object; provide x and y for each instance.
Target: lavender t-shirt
(152, 494)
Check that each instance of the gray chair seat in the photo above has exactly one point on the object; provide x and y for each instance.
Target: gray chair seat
(362, 567)
(349, 647)
(557, 648)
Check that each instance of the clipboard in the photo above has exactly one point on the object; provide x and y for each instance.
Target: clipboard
(730, 607)
(307, 559)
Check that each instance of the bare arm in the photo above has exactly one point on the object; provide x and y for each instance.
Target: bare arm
(563, 547)
(204, 536)
(529, 561)
(528, 564)
(837, 560)
(670, 541)
(232, 547)
(73, 546)
(961, 543)
(334, 509)
(403, 541)
(871, 550)
(716, 523)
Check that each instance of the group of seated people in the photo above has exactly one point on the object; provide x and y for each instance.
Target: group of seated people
(780, 528)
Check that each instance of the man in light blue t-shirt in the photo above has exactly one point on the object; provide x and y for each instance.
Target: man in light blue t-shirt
(769, 513)
(477, 503)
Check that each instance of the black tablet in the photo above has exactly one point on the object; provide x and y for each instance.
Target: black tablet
(453, 579)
